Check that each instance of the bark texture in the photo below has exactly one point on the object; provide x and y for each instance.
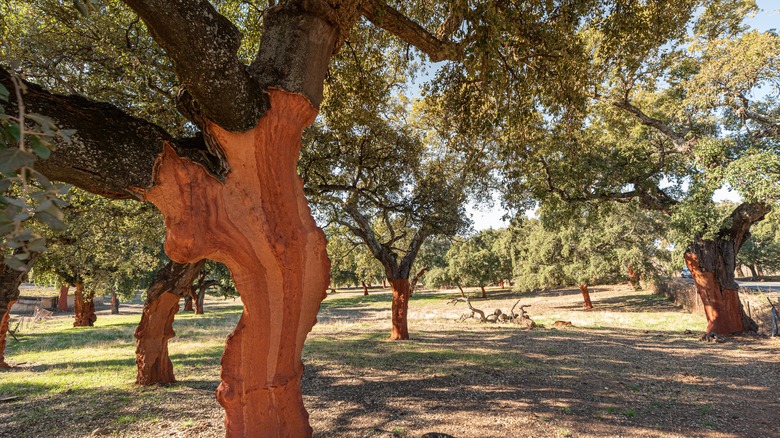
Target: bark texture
(712, 263)
(586, 296)
(633, 278)
(156, 327)
(84, 307)
(4, 332)
(400, 329)
(114, 304)
(62, 300)
(258, 223)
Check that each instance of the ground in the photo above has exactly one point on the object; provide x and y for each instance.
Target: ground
(627, 368)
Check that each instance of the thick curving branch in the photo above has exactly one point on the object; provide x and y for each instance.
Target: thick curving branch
(202, 45)
(112, 153)
(384, 16)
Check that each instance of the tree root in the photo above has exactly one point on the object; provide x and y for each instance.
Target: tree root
(521, 318)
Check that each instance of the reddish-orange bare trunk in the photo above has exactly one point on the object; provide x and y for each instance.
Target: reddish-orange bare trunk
(633, 277)
(721, 306)
(400, 289)
(258, 223)
(84, 308)
(365, 288)
(484, 295)
(4, 333)
(462, 293)
(62, 300)
(152, 334)
(586, 296)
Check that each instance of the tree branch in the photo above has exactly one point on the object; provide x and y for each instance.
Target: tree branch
(202, 45)
(382, 15)
(681, 144)
(111, 154)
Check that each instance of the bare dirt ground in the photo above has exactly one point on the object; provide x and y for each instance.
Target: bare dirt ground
(627, 368)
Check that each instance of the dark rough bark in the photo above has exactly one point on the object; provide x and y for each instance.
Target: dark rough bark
(62, 300)
(10, 279)
(84, 307)
(712, 263)
(400, 329)
(156, 327)
(586, 296)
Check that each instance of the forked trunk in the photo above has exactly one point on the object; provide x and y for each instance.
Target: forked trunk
(258, 223)
(170, 283)
(62, 300)
(400, 308)
(4, 332)
(152, 334)
(84, 307)
(365, 288)
(114, 304)
(484, 294)
(586, 296)
(633, 278)
(712, 263)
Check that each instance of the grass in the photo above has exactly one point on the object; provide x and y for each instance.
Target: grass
(85, 374)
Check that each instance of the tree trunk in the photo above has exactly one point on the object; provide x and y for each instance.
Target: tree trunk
(586, 296)
(114, 304)
(633, 278)
(462, 293)
(416, 278)
(258, 223)
(62, 301)
(4, 332)
(400, 289)
(365, 288)
(151, 336)
(753, 271)
(712, 263)
(188, 299)
(199, 301)
(484, 294)
(84, 307)
(501, 284)
(384, 283)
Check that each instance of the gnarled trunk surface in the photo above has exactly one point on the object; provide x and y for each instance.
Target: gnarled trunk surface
(84, 307)
(712, 263)
(586, 296)
(170, 283)
(4, 332)
(400, 329)
(258, 223)
(62, 300)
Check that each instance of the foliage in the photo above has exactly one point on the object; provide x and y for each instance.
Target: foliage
(27, 196)
(598, 246)
(109, 245)
(474, 261)
(761, 252)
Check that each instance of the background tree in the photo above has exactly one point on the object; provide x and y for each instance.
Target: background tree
(761, 251)
(474, 262)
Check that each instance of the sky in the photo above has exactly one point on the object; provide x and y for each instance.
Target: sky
(491, 217)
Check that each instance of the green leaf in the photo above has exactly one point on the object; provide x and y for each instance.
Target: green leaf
(80, 6)
(3, 93)
(12, 159)
(37, 245)
(40, 147)
(15, 264)
(53, 222)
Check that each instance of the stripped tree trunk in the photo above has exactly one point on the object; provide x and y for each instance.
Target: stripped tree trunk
(365, 288)
(4, 331)
(586, 296)
(114, 304)
(633, 278)
(712, 263)
(156, 327)
(484, 294)
(189, 298)
(462, 293)
(84, 307)
(62, 300)
(258, 223)
(10, 279)
(400, 329)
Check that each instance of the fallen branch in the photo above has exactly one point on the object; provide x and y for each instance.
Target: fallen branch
(521, 318)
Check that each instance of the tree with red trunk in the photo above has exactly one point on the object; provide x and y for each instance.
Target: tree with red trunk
(171, 283)
(226, 183)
